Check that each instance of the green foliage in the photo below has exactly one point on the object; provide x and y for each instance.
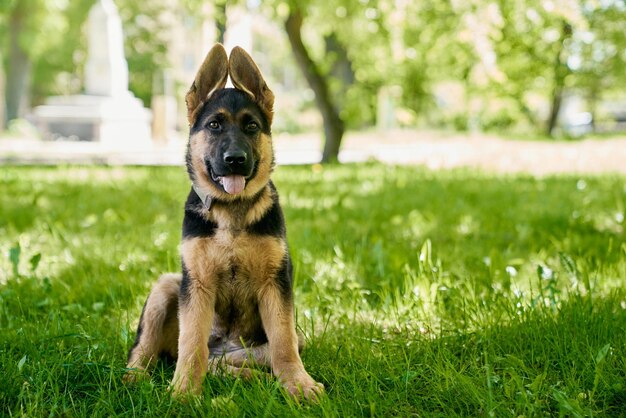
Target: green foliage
(518, 52)
(147, 33)
(49, 34)
(432, 51)
(54, 37)
(58, 68)
(349, 42)
(438, 294)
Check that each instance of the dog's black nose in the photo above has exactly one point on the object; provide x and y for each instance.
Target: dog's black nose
(235, 157)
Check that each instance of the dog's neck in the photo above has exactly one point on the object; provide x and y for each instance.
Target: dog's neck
(236, 215)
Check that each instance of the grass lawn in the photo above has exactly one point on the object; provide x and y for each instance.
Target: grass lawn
(421, 293)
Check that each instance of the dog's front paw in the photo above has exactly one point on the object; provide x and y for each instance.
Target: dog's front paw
(302, 386)
(183, 387)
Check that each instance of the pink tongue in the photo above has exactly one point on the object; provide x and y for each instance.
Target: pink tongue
(233, 184)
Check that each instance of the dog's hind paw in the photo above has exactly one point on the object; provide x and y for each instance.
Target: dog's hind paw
(134, 376)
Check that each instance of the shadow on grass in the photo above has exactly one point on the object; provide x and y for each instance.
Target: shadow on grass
(569, 362)
(381, 216)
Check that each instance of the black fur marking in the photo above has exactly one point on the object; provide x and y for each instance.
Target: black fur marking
(139, 330)
(284, 278)
(188, 163)
(167, 358)
(259, 337)
(273, 221)
(183, 297)
(194, 224)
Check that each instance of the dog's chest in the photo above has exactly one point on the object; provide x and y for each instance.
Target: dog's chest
(238, 265)
(248, 263)
(236, 262)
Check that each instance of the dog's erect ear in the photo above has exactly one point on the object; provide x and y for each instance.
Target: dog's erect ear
(211, 76)
(246, 76)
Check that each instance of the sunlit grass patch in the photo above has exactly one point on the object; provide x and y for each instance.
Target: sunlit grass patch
(432, 293)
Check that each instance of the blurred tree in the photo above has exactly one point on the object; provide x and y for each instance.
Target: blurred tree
(435, 46)
(521, 55)
(219, 7)
(2, 95)
(41, 39)
(58, 67)
(47, 49)
(598, 58)
(341, 49)
(333, 124)
(17, 24)
(560, 71)
(218, 10)
(550, 47)
(147, 31)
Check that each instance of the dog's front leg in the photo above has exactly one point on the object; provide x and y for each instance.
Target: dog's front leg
(196, 312)
(278, 321)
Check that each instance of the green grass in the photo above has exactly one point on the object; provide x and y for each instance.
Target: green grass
(421, 293)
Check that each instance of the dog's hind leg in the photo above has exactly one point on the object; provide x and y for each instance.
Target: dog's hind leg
(219, 367)
(258, 355)
(251, 356)
(242, 362)
(157, 332)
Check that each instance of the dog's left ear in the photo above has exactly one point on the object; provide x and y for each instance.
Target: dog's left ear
(246, 76)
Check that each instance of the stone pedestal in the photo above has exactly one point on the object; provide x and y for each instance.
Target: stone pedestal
(109, 120)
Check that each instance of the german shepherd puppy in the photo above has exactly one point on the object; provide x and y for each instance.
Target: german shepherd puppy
(232, 306)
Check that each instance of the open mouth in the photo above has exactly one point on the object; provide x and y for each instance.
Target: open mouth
(232, 183)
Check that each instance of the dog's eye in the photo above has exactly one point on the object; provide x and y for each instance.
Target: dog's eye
(213, 125)
(252, 127)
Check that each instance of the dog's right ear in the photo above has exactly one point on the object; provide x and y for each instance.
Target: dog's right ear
(211, 76)
(247, 77)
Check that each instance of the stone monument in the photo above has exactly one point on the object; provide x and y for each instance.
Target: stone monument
(107, 112)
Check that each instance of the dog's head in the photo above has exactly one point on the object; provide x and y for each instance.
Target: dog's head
(230, 153)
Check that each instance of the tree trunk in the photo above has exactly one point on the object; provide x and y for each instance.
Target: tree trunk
(220, 20)
(555, 107)
(560, 73)
(593, 106)
(333, 125)
(341, 65)
(18, 74)
(2, 95)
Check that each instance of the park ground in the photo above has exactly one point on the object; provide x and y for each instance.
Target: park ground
(435, 150)
(423, 290)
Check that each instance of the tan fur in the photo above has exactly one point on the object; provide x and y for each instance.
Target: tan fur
(208, 259)
(254, 356)
(160, 326)
(246, 77)
(195, 319)
(257, 211)
(264, 164)
(196, 316)
(278, 319)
